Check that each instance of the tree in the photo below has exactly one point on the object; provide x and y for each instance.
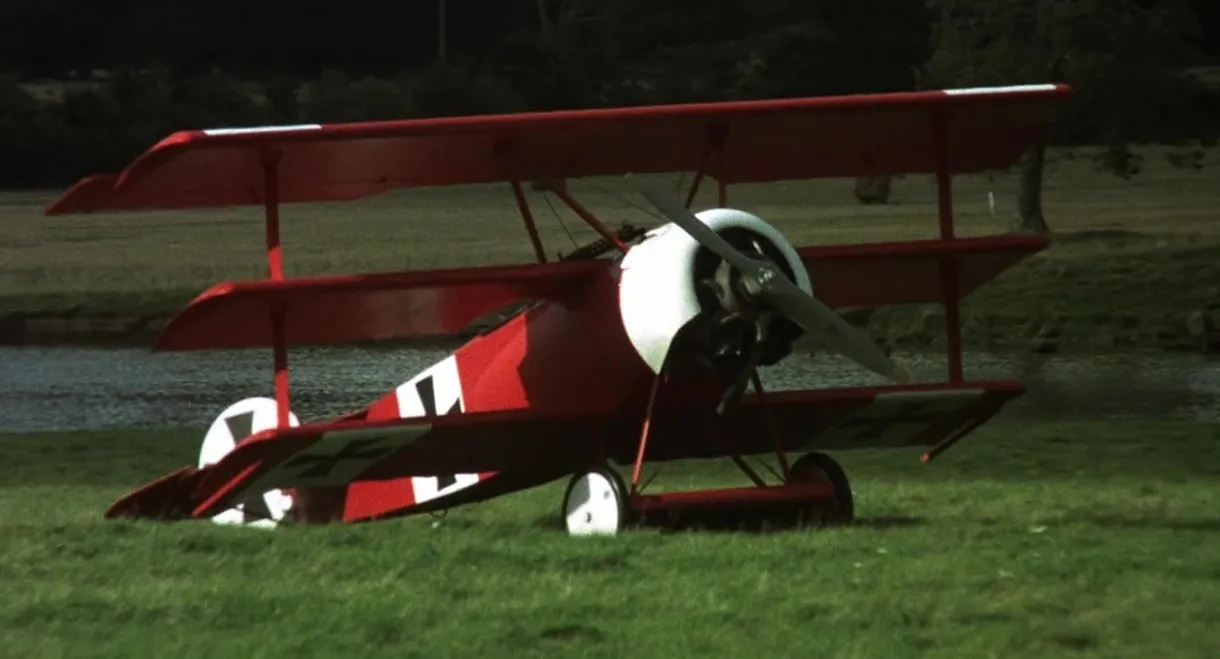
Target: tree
(1124, 58)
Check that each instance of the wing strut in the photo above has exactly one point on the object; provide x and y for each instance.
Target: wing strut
(713, 156)
(772, 428)
(275, 266)
(527, 216)
(644, 433)
(589, 218)
(694, 188)
(949, 268)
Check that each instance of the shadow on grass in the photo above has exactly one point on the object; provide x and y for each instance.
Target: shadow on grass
(771, 522)
(1100, 236)
(741, 522)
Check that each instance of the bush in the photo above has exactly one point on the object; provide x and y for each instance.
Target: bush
(443, 90)
(336, 98)
(102, 128)
(24, 133)
(216, 100)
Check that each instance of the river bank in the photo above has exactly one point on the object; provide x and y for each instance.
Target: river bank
(78, 388)
(1090, 291)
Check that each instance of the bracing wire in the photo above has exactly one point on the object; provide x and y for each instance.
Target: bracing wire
(618, 195)
(559, 219)
(626, 200)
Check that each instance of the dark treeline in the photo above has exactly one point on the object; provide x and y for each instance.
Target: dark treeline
(86, 85)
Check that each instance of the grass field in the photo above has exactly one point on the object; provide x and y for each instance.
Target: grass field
(1133, 262)
(1032, 539)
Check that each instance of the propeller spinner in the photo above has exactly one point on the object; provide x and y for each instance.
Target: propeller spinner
(767, 284)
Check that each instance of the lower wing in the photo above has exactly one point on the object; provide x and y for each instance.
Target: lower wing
(519, 448)
(523, 448)
(935, 415)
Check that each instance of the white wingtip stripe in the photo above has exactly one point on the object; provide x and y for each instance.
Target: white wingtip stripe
(1010, 89)
(261, 129)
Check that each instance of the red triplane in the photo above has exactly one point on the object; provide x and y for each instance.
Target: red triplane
(643, 356)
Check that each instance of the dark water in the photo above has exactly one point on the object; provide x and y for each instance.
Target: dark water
(80, 388)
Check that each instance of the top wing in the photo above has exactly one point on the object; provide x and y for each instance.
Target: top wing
(735, 142)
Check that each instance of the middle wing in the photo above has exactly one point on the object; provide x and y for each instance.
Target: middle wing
(340, 309)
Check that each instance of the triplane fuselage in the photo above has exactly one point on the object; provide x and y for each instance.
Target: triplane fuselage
(643, 356)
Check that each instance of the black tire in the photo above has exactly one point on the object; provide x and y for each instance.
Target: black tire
(819, 467)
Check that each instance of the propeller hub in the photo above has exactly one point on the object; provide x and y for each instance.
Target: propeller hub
(738, 326)
(751, 285)
(764, 280)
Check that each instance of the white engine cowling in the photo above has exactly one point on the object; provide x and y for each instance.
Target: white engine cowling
(657, 285)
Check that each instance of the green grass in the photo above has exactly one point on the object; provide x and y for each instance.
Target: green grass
(1133, 260)
(1031, 539)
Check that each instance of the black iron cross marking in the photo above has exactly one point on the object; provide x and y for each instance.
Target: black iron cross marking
(256, 508)
(909, 412)
(426, 390)
(240, 425)
(320, 466)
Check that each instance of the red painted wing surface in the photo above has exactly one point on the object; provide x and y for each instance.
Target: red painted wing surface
(333, 310)
(531, 449)
(339, 309)
(878, 274)
(757, 141)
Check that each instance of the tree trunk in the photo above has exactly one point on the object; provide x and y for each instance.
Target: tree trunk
(873, 189)
(1029, 203)
(546, 29)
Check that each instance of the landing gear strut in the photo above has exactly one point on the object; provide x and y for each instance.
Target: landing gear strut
(598, 501)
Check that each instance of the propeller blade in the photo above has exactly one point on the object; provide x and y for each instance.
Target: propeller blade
(680, 215)
(820, 320)
(766, 282)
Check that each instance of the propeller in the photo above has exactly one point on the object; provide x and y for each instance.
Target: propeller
(765, 282)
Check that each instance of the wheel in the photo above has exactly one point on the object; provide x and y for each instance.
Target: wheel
(595, 503)
(239, 421)
(821, 468)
